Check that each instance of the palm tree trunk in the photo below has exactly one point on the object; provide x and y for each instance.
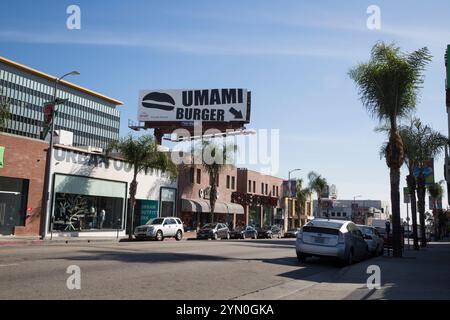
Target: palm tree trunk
(411, 181)
(395, 201)
(133, 189)
(421, 206)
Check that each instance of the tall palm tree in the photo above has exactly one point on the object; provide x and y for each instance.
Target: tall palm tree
(410, 148)
(302, 195)
(4, 111)
(318, 184)
(388, 86)
(429, 144)
(436, 191)
(214, 157)
(143, 154)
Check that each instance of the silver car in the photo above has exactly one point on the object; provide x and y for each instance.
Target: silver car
(373, 239)
(331, 238)
(160, 228)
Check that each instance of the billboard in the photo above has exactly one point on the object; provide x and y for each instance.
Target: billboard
(189, 105)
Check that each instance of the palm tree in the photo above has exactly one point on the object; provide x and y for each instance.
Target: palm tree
(388, 86)
(143, 154)
(302, 195)
(4, 111)
(436, 191)
(318, 184)
(214, 157)
(411, 152)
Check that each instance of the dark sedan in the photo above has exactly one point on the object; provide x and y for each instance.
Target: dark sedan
(292, 233)
(269, 232)
(243, 233)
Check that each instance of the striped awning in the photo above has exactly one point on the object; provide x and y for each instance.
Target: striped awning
(201, 205)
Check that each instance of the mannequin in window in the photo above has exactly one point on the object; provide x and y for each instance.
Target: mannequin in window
(101, 218)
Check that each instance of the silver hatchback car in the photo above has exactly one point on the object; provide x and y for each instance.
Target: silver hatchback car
(331, 238)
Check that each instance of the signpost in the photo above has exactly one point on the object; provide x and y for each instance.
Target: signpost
(49, 114)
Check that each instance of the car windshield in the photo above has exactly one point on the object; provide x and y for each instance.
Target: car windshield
(209, 226)
(366, 230)
(155, 221)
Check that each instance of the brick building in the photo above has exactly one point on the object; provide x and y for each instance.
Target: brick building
(22, 170)
(193, 197)
(260, 195)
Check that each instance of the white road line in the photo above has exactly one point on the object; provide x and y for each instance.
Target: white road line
(9, 265)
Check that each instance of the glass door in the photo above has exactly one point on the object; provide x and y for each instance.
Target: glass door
(13, 202)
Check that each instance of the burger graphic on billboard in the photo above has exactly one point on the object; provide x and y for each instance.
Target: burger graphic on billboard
(158, 100)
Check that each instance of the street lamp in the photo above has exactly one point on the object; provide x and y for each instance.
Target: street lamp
(50, 150)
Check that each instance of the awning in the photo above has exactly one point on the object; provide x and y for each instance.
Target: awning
(200, 205)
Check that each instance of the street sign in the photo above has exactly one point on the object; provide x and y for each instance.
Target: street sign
(406, 195)
(428, 171)
(49, 113)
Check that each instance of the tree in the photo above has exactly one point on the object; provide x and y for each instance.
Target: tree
(143, 154)
(427, 144)
(302, 195)
(214, 157)
(436, 191)
(388, 86)
(4, 111)
(318, 184)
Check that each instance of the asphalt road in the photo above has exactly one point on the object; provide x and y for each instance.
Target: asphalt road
(233, 269)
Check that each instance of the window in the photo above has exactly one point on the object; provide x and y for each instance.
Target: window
(333, 214)
(277, 191)
(262, 188)
(233, 182)
(267, 189)
(344, 214)
(249, 186)
(338, 214)
(273, 190)
(228, 182)
(191, 175)
(254, 186)
(199, 176)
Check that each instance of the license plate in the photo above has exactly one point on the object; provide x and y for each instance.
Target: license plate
(320, 240)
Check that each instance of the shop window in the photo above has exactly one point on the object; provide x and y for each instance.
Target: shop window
(168, 198)
(199, 176)
(13, 202)
(233, 183)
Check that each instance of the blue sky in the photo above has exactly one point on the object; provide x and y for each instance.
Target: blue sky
(293, 56)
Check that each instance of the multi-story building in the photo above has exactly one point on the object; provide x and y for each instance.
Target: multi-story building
(92, 117)
(295, 215)
(261, 197)
(194, 191)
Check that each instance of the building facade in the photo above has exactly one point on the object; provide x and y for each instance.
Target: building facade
(22, 167)
(194, 203)
(261, 196)
(90, 194)
(295, 215)
(92, 117)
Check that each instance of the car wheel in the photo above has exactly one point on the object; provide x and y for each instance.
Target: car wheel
(301, 257)
(179, 235)
(216, 237)
(159, 236)
(270, 236)
(228, 236)
(243, 236)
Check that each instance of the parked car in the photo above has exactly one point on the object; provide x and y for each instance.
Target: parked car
(331, 238)
(373, 239)
(269, 232)
(160, 228)
(214, 231)
(292, 233)
(243, 233)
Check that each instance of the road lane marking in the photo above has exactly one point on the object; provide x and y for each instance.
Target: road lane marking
(9, 265)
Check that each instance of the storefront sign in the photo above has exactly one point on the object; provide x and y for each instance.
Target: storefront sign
(148, 209)
(247, 199)
(208, 105)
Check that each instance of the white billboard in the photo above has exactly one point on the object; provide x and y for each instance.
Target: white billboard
(207, 105)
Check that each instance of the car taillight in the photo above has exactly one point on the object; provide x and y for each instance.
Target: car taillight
(341, 237)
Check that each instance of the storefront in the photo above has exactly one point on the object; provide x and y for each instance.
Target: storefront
(90, 195)
(22, 167)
